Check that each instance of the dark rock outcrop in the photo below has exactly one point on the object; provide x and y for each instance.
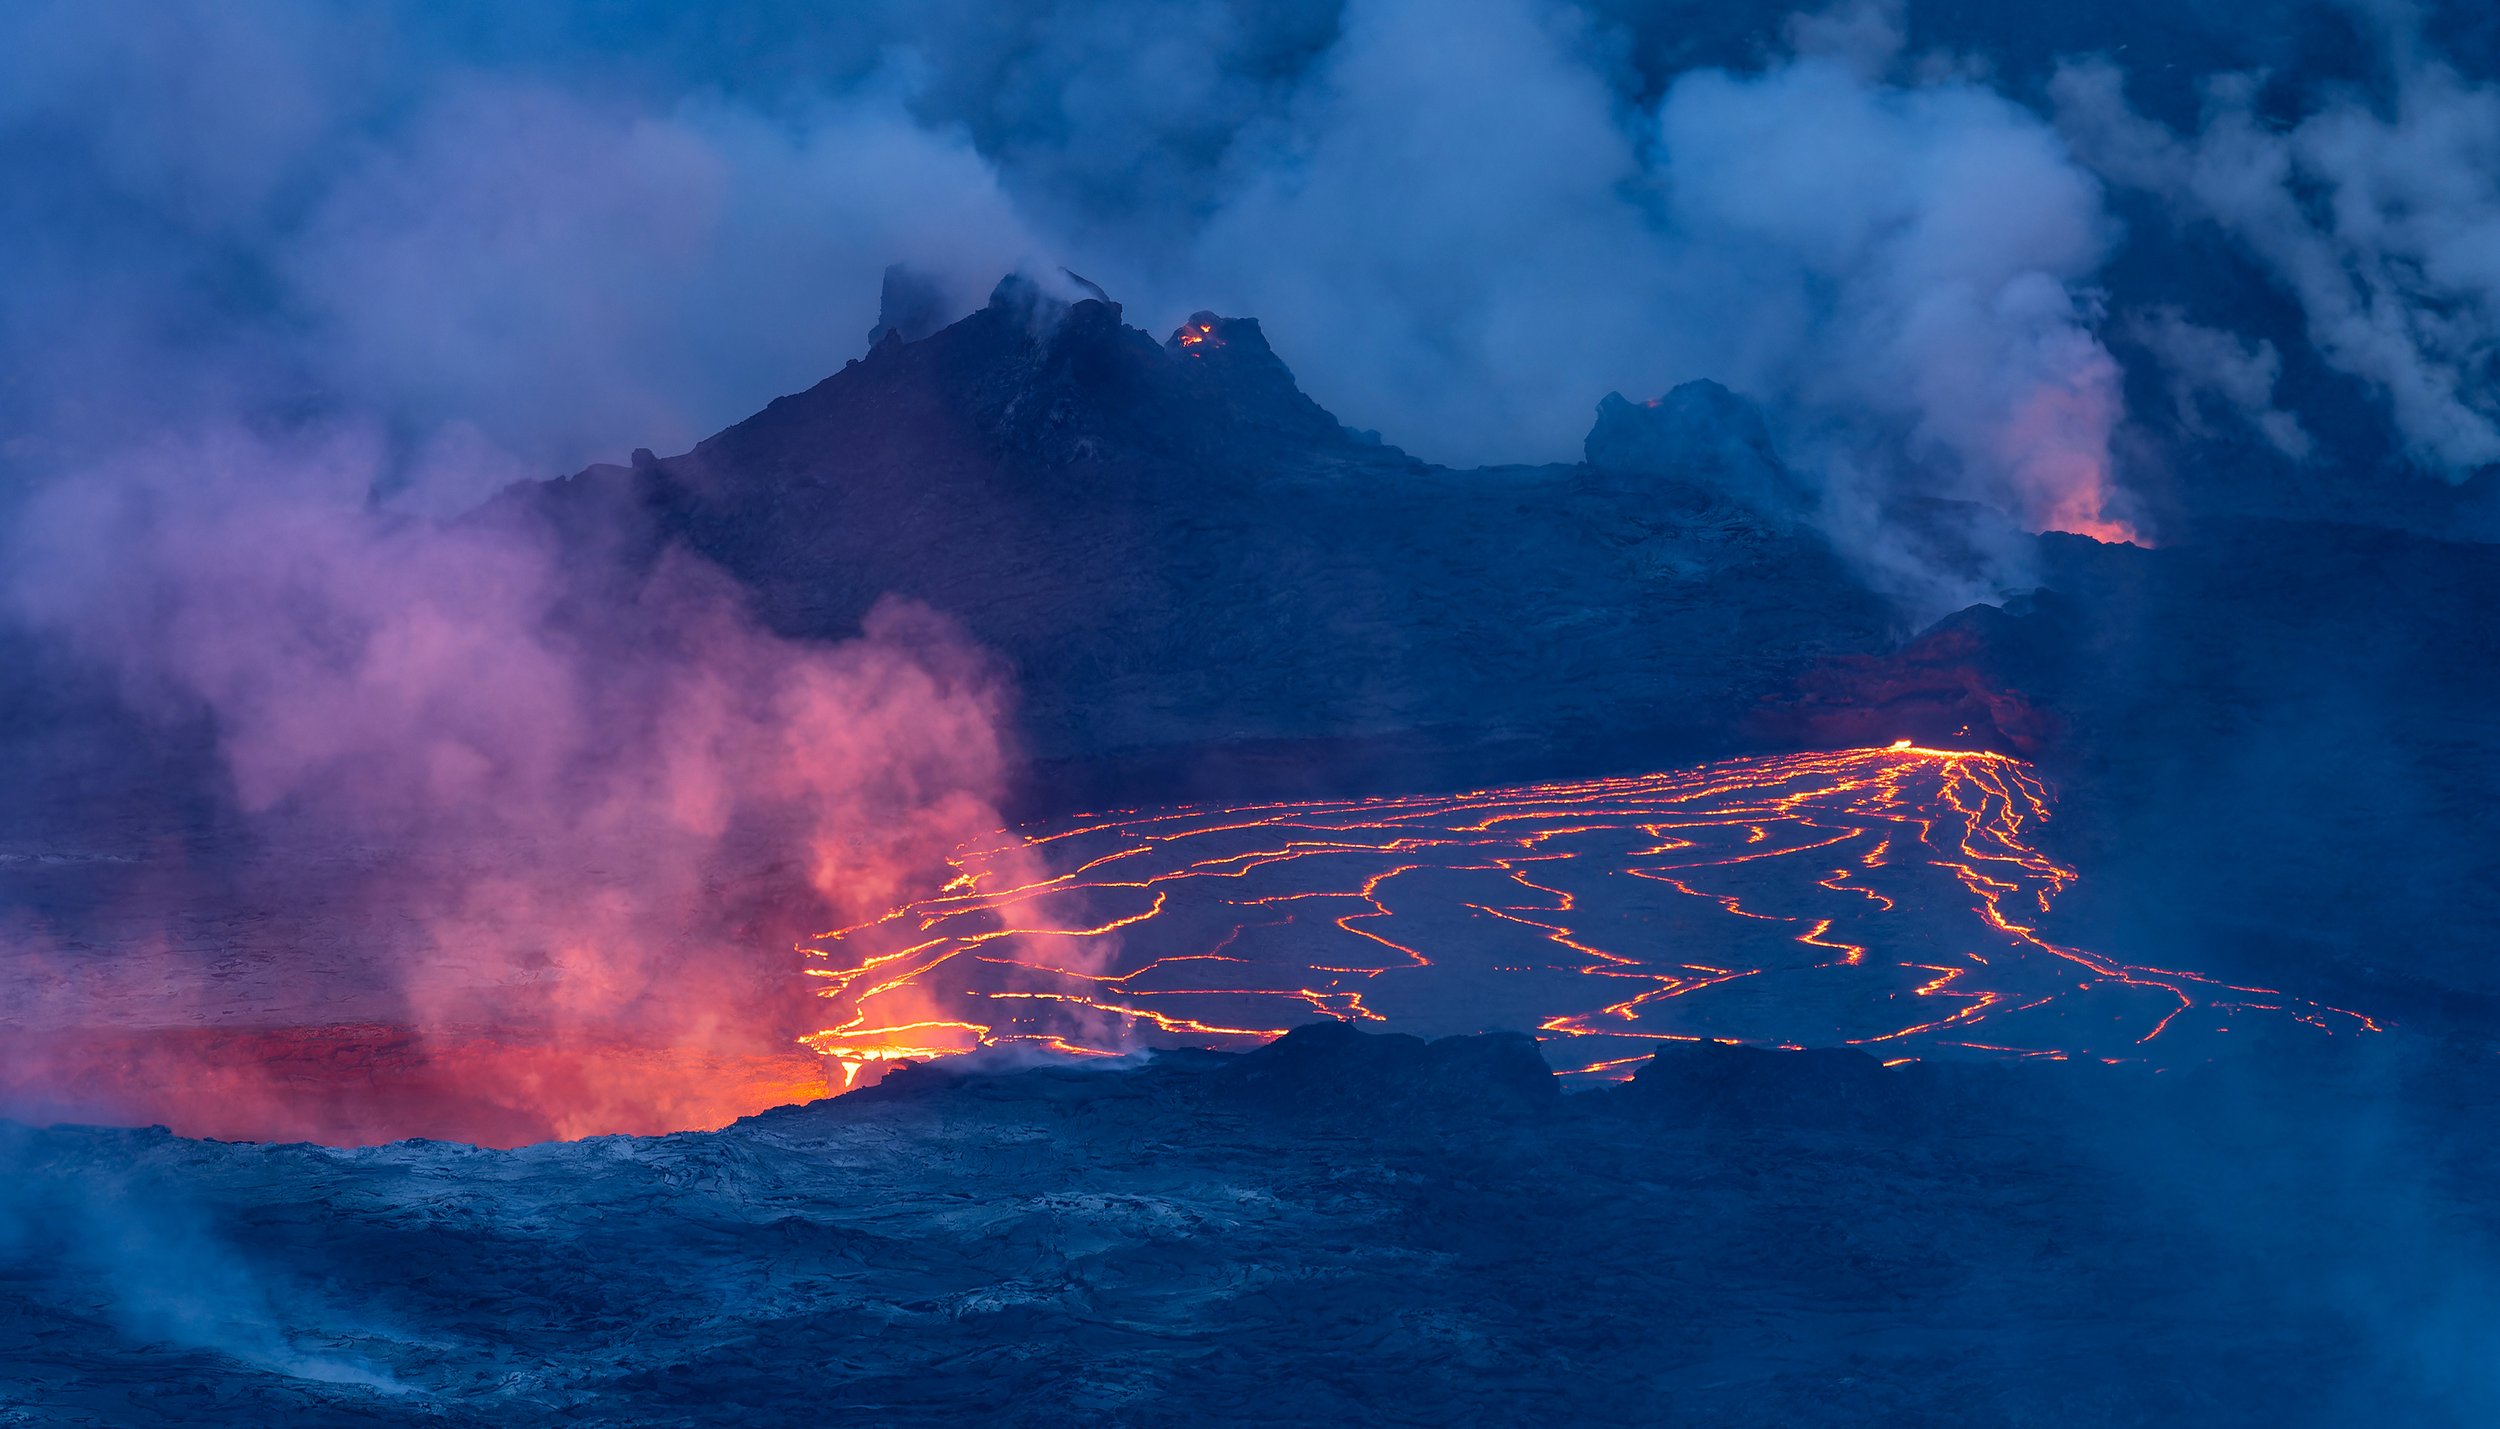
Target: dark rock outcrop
(1700, 433)
(909, 307)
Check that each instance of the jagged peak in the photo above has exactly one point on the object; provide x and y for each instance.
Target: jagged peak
(1635, 436)
(1048, 367)
(1041, 302)
(910, 305)
(1205, 333)
(1698, 432)
(1048, 363)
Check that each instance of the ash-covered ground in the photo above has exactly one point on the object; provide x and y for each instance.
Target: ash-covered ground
(1337, 1228)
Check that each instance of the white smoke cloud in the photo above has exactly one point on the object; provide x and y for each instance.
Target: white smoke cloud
(584, 277)
(1944, 244)
(281, 209)
(152, 1258)
(2383, 223)
(2207, 366)
(1452, 234)
(1459, 234)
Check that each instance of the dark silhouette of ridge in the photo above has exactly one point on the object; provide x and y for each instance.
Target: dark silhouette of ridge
(1190, 566)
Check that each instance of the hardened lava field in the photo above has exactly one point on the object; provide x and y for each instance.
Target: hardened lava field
(1892, 899)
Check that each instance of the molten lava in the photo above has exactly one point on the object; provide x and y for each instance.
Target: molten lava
(1888, 898)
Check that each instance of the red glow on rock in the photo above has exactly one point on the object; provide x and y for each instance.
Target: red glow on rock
(1198, 336)
(2083, 509)
(2057, 451)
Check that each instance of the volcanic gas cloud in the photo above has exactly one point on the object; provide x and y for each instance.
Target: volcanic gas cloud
(498, 845)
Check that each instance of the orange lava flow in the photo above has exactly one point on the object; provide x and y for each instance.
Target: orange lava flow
(1888, 898)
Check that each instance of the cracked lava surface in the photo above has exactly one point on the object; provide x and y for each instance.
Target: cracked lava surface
(1892, 899)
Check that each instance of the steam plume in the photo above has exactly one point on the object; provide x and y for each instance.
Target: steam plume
(562, 820)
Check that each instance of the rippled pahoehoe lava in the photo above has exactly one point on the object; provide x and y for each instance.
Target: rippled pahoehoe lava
(1887, 898)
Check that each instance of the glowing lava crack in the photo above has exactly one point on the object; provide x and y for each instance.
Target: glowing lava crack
(1881, 898)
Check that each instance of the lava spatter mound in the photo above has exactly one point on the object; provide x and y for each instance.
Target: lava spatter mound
(1888, 898)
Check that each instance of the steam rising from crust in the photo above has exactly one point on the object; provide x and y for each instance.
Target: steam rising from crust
(574, 826)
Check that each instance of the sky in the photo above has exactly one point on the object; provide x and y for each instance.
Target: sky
(518, 239)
